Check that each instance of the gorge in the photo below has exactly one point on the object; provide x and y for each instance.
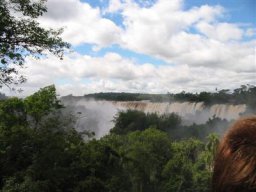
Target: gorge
(97, 115)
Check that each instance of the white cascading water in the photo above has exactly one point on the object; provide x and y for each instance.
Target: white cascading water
(187, 110)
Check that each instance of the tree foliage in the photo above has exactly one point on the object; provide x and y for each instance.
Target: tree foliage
(42, 103)
(50, 155)
(21, 36)
(132, 120)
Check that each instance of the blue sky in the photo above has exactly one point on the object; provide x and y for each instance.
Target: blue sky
(148, 46)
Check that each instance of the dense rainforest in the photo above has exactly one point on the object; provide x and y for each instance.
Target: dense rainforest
(42, 151)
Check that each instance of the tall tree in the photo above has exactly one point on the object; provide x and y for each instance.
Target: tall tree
(22, 36)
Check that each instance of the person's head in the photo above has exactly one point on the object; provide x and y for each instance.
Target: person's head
(235, 162)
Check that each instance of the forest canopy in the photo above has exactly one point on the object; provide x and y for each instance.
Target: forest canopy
(42, 151)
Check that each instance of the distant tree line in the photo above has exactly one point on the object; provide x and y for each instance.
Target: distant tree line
(246, 94)
(113, 96)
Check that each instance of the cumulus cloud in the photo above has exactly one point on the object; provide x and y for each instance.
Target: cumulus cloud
(81, 23)
(220, 31)
(164, 31)
(80, 74)
(161, 30)
(201, 51)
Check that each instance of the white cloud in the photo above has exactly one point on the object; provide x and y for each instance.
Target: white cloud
(164, 31)
(81, 22)
(80, 74)
(220, 31)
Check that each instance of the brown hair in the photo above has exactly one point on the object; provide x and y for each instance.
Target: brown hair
(235, 162)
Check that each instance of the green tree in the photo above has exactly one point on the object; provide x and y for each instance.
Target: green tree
(133, 120)
(12, 112)
(143, 154)
(184, 171)
(102, 169)
(41, 159)
(22, 36)
(211, 149)
(42, 103)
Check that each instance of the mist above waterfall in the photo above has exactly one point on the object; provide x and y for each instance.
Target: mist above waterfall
(91, 115)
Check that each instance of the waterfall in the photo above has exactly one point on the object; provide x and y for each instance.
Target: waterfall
(97, 115)
(192, 111)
